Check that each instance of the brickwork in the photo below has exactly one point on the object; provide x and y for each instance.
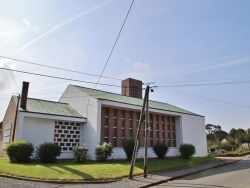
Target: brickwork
(121, 123)
(132, 88)
(9, 118)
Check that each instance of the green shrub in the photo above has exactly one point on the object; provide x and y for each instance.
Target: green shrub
(160, 150)
(103, 151)
(187, 150)
(47, 152)
(80, 154)
(19, 151)
(226, 146)
(128, 147)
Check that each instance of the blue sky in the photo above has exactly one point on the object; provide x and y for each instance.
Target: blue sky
(169, 42)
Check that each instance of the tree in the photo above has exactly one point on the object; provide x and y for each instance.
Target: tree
(209, 128)
(232, 142)
(248, 138)
(232, 132)
(241, 137)
(217, 128)
(220, 135)
(240, 130)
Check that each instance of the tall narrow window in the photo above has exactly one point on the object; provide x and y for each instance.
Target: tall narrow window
(174, 133)
(151, 129)
(157, 129)
(115, 127)
(168, 123)
(163, 128)
(123, 127)
(106, 126)
(138, 117)
(130, 123)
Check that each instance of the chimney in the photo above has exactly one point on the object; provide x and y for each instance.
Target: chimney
(132, 88)
(24, 95)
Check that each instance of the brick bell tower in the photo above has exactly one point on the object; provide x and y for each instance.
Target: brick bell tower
(132, 88)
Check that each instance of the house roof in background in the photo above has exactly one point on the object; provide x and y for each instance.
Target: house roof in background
(49, 108)
(104, 95)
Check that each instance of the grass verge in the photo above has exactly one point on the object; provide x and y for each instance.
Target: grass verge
(69, 170)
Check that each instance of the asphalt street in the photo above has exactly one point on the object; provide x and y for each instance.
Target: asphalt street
(235, 175)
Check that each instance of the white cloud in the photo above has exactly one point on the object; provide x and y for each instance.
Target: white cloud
(140, 65)
(66, 22)
(26, 22)
(7, 78)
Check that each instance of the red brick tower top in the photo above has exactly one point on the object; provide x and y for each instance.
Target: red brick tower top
(132, 88)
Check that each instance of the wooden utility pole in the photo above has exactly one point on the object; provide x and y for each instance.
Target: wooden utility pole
(138, 133)
(146, 139)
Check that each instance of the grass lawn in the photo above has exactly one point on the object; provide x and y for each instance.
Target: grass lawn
(69, 170)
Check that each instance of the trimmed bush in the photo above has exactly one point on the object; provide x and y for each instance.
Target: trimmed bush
(160, 150)
(19, 151)
(47, 152)
(128, 147)
(103, 151)
(80, 154)
(187, 150)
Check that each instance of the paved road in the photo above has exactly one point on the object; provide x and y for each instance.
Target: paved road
(234, 175)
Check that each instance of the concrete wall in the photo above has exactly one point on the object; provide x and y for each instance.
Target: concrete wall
(194, 132)
(39, 128)
(90, 108)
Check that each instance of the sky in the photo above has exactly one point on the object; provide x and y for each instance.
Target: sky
(196, 53)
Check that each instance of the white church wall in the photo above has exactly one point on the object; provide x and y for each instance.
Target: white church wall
(193, 132)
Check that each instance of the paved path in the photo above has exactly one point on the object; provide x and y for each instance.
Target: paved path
(138, 181)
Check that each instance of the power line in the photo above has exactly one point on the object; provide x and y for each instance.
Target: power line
(239, 78)
(58, 68)
(207, 84)
(203, 97)
(56, 77)
(68, 79)
(114, 45)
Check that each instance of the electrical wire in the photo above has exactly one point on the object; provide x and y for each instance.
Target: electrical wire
(239, 78)
(74, 80)
(58, 68)
(207, 84)
(203, 97)
(89, 74)
(56, 77)
(113, 46)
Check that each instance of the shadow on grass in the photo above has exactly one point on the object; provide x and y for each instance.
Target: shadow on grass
(77, 172)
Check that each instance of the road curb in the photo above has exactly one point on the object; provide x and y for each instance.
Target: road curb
(95, 181)
(188, 174)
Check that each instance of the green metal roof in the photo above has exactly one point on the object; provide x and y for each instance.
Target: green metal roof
(98, 94)
(49, 108)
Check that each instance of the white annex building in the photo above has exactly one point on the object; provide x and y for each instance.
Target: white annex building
(84, 116)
